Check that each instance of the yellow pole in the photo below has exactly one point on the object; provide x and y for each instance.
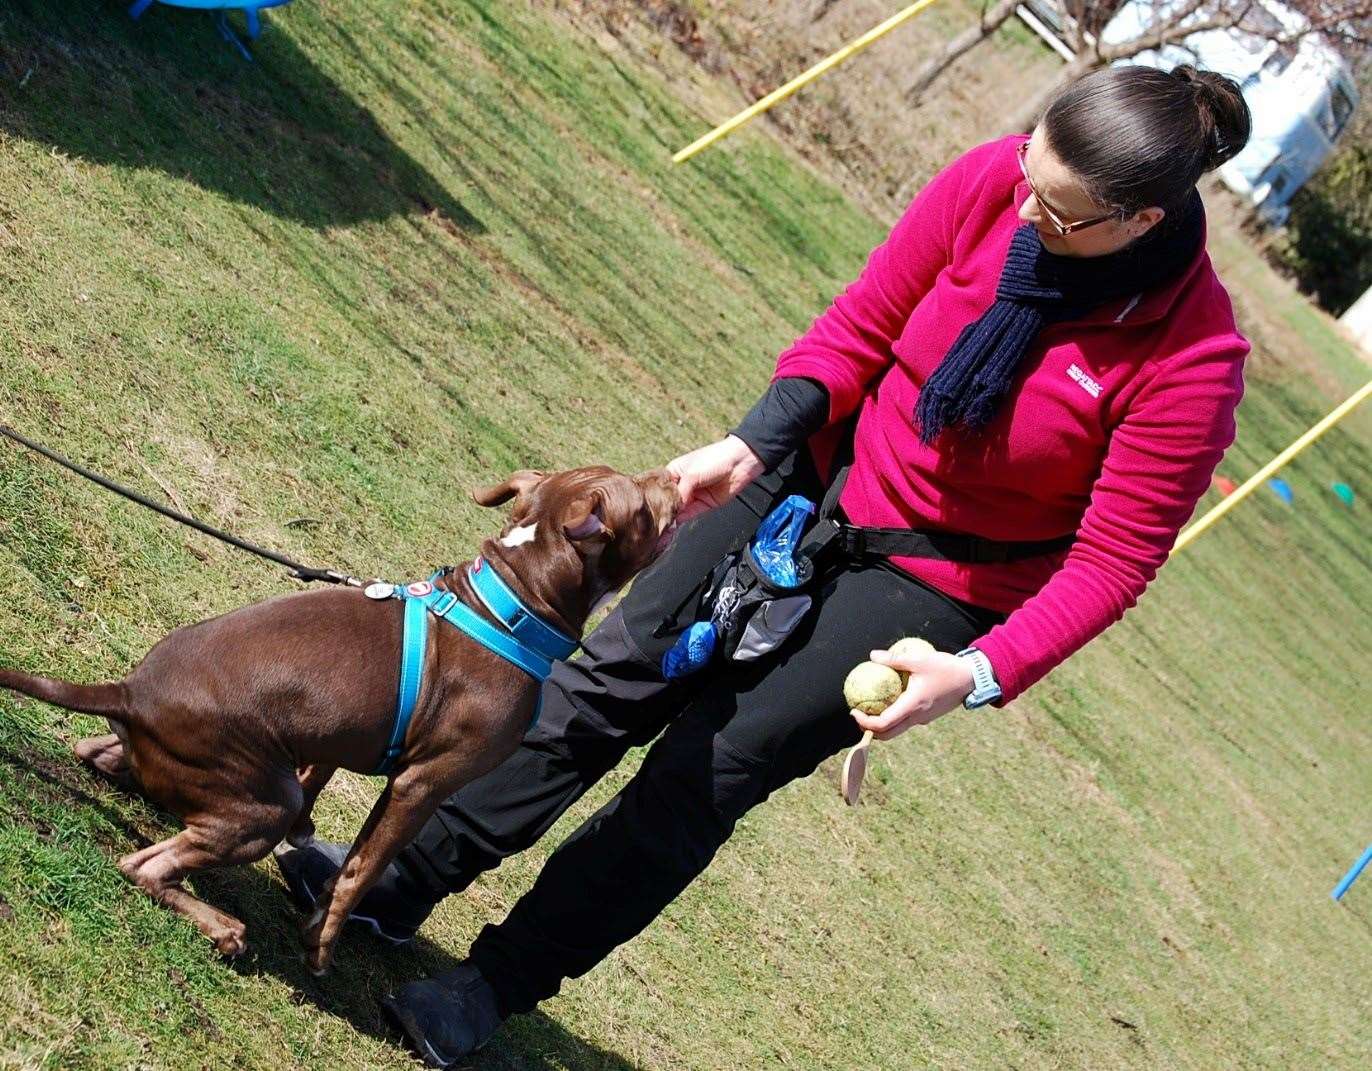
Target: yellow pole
(757, 108)
(1272, 466)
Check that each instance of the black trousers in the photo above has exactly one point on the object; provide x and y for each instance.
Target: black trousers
(733, 736)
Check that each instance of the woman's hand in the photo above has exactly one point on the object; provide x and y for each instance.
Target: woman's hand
(712, 475)
(939, 682)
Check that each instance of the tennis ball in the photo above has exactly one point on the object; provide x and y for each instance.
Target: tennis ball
(871, 688)
(910, 647)
(913, 647)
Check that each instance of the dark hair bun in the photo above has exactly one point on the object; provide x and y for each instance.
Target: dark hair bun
(1136, 136)
(1224, 113)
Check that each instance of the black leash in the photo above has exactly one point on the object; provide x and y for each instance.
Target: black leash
(300, 572)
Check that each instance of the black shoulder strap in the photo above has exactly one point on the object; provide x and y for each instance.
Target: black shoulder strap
(839, 468)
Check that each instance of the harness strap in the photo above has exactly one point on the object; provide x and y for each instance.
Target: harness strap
(853, 541)
(446, 606)
(414, 642)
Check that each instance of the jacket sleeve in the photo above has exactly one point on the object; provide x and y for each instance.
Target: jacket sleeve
(848, 346)
(1157, 465)
(790, 412)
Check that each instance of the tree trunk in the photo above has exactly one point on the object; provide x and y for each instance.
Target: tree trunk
(960, 45)
(1033, 109)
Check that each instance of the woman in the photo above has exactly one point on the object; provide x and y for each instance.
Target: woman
(1039, 369)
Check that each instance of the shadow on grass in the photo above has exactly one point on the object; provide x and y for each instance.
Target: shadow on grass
(166, 92)
(365, 968)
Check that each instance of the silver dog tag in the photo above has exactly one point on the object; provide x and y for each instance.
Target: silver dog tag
(379, 591)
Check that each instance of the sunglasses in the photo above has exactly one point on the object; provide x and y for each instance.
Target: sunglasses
(1063, 229)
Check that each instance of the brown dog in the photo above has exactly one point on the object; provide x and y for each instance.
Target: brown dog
(236, 724)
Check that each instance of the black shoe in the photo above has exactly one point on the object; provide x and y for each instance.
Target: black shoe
(390, 908)
(447, 1017)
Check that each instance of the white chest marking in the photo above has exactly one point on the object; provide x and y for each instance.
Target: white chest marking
(520, 535)
(1089, 385)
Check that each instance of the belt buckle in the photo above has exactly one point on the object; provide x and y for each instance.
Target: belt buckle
(819, 537)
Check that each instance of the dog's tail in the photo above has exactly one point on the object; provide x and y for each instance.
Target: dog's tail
(110, 700)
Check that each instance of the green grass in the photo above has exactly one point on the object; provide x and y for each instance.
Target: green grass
(414, 246)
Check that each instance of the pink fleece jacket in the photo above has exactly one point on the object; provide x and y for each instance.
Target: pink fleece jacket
(1112, 429)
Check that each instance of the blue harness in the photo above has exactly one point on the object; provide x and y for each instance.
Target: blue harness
(525, 641)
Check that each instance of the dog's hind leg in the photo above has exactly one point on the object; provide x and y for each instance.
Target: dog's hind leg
(107, 756)
(312, 781)
(159, 870)
(211, 840)
(405, 804)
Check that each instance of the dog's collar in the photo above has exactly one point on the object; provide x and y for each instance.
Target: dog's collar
(521, 622)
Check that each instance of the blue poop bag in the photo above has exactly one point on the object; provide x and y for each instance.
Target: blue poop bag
(741, 614)
(777, 539)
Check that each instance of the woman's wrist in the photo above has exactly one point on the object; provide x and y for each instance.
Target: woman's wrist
(743, 450)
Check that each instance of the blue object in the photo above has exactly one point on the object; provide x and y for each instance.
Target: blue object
(773, 548)
(221, 8)
(523, 624)
(534, 656)
(416, 639)
(777, 538)
(1352, 875)
(1281, 489)
(693, 649)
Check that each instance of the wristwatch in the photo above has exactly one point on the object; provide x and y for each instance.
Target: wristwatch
(985, 687)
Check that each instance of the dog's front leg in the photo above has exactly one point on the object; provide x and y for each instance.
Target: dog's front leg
(405, 804)
(312, 781)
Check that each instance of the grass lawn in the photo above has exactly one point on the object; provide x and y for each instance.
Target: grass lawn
(316, 298)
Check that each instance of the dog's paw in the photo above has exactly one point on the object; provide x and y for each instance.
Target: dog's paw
(318, 960)
(232, 943)
(318, 949)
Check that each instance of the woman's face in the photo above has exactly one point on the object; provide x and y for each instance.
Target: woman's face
(1055, 191)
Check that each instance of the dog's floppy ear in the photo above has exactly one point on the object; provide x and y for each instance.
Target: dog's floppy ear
(584, 520)
(519, 483)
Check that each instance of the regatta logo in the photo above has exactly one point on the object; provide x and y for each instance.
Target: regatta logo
(1089, 385)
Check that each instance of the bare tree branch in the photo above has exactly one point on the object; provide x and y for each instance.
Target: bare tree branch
(990, 21)
(1346, 22)
(1165, 36)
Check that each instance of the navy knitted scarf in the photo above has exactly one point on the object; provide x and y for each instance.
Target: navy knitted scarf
(1038, 288)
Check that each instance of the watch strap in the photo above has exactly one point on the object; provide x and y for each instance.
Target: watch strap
(985, 687)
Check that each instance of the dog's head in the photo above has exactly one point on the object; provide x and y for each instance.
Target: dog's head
(589, 530)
